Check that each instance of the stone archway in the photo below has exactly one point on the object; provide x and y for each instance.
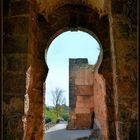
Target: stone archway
(89, 72)
(25, 37)
(75, 17)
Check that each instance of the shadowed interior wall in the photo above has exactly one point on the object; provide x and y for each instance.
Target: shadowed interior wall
(15, 64)
(123, 21)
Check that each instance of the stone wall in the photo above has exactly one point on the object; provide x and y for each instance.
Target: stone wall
(80, 94)
(23, 73)
(100, 107)
(123, 21)
(101, 6)
(87, 96)
(15, 49)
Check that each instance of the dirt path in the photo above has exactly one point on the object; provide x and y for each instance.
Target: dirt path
(59, 132)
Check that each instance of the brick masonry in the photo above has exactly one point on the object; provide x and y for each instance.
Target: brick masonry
(81, 94)
(89, 92)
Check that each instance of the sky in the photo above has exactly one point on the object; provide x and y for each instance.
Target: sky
(67, 45)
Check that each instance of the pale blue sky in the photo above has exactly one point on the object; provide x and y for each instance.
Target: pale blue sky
(67, 45)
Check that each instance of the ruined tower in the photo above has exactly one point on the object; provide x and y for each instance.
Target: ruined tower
(80, 94)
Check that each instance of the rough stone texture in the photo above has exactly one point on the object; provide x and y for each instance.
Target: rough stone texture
(36, 75)
(28, 31)
(124, 26)
(33, 121)
(81, 94)
(22, 120)
(15, 48)
(100, 107)
(19, 8)
(99, 5)
(89, 91)
(12, 117)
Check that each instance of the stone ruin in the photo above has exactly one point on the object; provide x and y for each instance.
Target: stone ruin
(81, 94)
(87, 98)
(28, 29)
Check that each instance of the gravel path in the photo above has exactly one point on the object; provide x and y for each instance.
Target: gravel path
(59, 132)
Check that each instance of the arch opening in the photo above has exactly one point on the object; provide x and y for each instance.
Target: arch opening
(67, 45)
(78, 47)
(50, 29)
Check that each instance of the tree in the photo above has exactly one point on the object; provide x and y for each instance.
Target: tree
(58, 100)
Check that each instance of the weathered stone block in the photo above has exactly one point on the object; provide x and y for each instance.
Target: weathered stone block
(112, 133)
(122, 30)
(14, 84)
(16, 62)
(15, 44)
(19, 8)
(85, 102)
(12, 125)
(106, 66)
(133, 135)
(17, 25)
(84, 90)
(128, 110)
(117, 7)
(83, 75)
(100, 104)
(14, 106)
(83, 123)
(124, 130)
(111, 113)
(81, 89)
(82, 110)
(4, 63)
(106, 53)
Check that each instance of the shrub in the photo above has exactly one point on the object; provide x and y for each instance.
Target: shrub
(50, 115)
(47, 120)
(65, 116)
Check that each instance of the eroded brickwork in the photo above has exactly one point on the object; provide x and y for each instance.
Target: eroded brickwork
(15, 48)
(100, 106)
(87, 97)
(80, 94)
(124, 32)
